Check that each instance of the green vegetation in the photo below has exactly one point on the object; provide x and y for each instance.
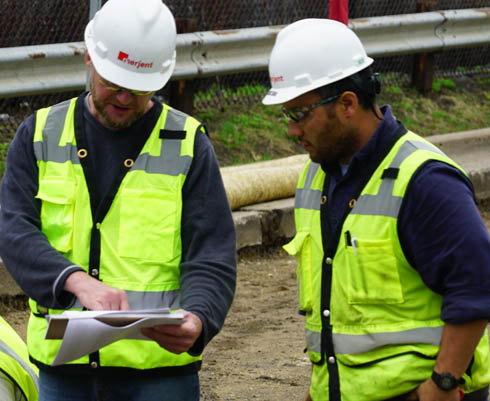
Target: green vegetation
(244, 133)
(454, 105)
(3, 155)
(443, 83)
(6, 137)
(226, 93)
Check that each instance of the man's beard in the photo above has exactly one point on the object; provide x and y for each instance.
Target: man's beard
(341, 148)
(108, 122)
(344, 149)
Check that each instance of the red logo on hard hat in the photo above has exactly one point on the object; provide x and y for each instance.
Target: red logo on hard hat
(124, 57)
(277, 79)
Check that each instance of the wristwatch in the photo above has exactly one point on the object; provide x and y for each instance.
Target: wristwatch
(446, 381)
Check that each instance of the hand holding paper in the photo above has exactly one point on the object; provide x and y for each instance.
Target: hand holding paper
(84, 332)
(176, 339)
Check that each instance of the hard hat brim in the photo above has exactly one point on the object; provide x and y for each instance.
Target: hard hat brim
(282, 95)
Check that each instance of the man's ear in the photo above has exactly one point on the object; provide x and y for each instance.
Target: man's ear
(349, 103)
(88, 60)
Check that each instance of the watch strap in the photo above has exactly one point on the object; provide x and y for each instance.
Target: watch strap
(446, 381)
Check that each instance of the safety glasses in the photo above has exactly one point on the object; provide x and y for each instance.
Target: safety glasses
(300, 113)
(117, 89)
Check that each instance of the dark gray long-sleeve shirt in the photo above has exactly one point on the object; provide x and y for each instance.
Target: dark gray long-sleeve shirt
(208, 265)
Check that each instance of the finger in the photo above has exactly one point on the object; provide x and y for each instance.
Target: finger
(171, 340)
(119, 300)
(97, 305)
(172, 344)
(124, 301)
(163, 338)
(170, 330)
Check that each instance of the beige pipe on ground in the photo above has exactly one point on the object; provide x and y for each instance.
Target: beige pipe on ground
(248, 184)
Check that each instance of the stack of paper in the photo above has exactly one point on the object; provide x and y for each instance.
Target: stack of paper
(84, 332)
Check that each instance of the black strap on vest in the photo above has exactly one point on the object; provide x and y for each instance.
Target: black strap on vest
(390, 172)
(169, 134)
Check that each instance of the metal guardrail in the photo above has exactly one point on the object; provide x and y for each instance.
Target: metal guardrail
(425, 32)
(60, 67)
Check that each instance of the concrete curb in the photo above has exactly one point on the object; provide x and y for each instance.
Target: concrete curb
(454, 142)
(269, 223)
(272, 223)
(471, 149)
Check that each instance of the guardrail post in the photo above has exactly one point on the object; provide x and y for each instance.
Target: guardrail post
(424, 63)
(181, 94)
(95, 6)
(338, 10)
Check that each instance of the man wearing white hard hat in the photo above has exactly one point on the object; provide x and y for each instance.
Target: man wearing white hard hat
(393, 272)
(114, 201)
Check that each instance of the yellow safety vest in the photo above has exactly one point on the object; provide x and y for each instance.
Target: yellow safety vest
(14, 362)
(380, 334)
(135, 246)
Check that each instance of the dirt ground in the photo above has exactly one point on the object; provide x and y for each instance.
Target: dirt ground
(259, 353)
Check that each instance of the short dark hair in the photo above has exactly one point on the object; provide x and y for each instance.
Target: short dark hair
(364, 84)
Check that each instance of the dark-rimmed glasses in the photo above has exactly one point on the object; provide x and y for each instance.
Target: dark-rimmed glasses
(117, 89)
(299, 113)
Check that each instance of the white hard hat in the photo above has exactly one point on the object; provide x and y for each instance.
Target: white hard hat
(132, 43)
(312, 53)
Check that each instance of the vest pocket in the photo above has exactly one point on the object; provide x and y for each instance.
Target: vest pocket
(372, 272)
(300, 246)
(148, 226)
(57, 210)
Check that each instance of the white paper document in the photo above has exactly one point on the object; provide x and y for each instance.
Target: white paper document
(84, 332)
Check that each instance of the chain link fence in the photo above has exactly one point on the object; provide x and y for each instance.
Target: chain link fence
(38, 22)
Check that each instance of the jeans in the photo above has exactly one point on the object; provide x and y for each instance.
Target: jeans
(55, 387)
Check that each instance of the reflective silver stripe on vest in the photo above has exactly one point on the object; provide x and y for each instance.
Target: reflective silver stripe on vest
(313, 341)
(7, 350)
(307, 198)
(358, 344)
(48, 149)
(148, 300)
(384, 203)
(169, 162)
(159, 299)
